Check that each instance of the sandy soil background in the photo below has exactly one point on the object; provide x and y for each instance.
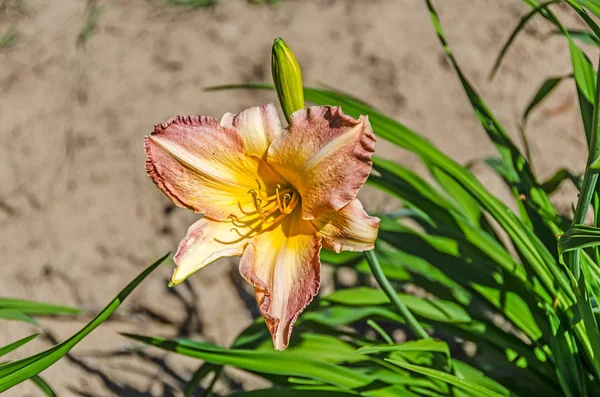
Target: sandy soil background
(78, 216)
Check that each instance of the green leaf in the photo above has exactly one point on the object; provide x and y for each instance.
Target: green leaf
(43, 386)
(15, 345)
(202, 372)
(8, 314)
(433, 309)
(423, 345)
(380, 331)
(293, 392)
(577, 6)
(591, 5)
(564, 349)
(522, 22)
(584, 36)
(543, 91)
(464, 201)
(472, 375)
(555, 180)
(578, 237)
(583, 71)
(336, 316)
(343, 257)
(36, 308)
(16, 372)
(476, 389)
(326, 348)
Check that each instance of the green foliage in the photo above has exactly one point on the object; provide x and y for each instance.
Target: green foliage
(22, 310)
(531, 315)
(43, 386)
(15, 345)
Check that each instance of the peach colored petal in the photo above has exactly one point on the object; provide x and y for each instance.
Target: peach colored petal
(202, 166)
(325, 155)
(349, 229)
(205, 242)
(258, 125)
(283, 266)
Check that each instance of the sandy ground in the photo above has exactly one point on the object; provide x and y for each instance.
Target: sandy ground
(78, 216)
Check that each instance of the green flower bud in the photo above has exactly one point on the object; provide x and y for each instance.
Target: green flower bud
(287, 78)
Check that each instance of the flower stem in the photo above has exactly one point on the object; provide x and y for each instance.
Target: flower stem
(385, 285)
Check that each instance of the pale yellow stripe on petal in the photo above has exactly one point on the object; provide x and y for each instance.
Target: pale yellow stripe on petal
(205, 242)
(233, 173)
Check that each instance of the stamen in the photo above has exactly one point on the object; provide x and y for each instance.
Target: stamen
(254, 222)
(242, 209)
(256, 200)
(270, 212)
(235, 220)
(273, 197)
(276, 220)
(242, 236)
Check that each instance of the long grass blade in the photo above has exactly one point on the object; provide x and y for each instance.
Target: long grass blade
(547, 87)
(36, 308)
(15, 345)
(43, 386)
(522, 22)
(450, 379)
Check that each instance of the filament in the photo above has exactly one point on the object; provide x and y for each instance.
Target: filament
(267, 212)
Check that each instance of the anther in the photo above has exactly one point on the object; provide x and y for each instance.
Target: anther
(286, 203)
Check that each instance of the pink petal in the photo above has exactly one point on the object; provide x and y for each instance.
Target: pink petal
(325, 155)
(284, 268)
(202, 166)
(258, 125)
(349, 229)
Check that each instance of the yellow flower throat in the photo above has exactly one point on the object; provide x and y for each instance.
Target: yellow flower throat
(268, 210)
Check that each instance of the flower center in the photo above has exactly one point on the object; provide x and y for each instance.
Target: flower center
(268, 210)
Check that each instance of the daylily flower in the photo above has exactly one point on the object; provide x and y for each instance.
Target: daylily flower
(270, 195)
